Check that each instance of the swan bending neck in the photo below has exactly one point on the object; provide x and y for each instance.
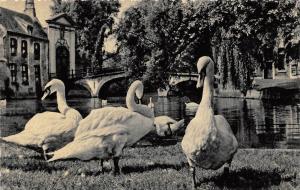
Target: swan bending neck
(207, 95)
(133, 106)
(61, 102)
(130, 101)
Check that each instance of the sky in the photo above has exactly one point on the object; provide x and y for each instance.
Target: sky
(42, 8)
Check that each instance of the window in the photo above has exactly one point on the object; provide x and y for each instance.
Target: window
(36, 51)
(37, 73)
(13, 72)
(24, 48)
(13, 46)
(25, 74)
(29, 29)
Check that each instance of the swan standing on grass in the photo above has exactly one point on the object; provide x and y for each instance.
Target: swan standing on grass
(105, 132)
(49, 130)
(208, 141)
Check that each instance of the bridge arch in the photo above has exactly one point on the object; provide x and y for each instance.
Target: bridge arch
(93, 85)
(182, 77)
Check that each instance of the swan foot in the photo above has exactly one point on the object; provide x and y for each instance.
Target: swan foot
(116, 170)
(193, 170)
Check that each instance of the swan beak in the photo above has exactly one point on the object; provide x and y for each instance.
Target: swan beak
(140, 101)
(46, 93)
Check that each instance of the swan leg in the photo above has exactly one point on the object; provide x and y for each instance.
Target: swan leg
(116, 170)
(45, 155)
(227, 166)
(101, 166)
(193, 170)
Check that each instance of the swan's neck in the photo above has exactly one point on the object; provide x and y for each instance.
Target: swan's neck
(133, 106)
(207, 94)
(130, 101)
(61, 101)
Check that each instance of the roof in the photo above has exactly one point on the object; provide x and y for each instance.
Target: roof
(17, 22)
(57, 19)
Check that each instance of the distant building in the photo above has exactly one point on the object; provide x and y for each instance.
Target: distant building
(284, 63)
(34, 54)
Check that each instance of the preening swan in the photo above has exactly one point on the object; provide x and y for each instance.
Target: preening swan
(166, 126)
(208, 141)
(49, 130)
(105, 132)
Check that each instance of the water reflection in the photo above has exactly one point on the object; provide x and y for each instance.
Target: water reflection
(256, 124)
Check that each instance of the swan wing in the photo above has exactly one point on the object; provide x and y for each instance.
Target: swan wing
(135, 124)
(98, 143)
(163, 120)
(227, 138)
(38, 120)
(111, 116)
(98, 118)
(36, 129)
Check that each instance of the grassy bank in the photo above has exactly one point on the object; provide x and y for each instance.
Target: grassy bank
(152, 167)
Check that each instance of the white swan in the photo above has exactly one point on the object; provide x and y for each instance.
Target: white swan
(166, 126)
(49, 130)
(190, 106)
(208, 141)
(105, 132)
(3, 103)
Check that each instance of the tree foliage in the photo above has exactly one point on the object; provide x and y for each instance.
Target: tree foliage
(159, 37)
(93, 18)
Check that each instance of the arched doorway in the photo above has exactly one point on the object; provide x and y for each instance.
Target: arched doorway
(62, 63)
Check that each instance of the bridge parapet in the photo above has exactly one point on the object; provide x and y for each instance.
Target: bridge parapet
(176, 78)
(95, 83)
(89, 73)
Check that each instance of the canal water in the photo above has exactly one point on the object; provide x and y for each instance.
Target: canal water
(255, 123)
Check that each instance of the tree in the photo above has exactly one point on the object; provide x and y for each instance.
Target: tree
(93, 18)
(160, 37)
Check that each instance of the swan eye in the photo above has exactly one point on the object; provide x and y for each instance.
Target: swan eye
(47, 90)
(202, 74)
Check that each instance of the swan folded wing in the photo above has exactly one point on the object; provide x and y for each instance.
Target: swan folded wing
(104, 117)
(98, 143)
(163, 120)
(73, 115)
(228, 140)
(41, 120)
(50, 125)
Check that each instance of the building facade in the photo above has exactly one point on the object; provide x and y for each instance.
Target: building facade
(61, 35)
(34, 54)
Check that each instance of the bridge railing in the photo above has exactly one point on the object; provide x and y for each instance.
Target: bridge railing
(89, 72)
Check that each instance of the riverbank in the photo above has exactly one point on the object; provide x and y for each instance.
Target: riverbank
(149, 167)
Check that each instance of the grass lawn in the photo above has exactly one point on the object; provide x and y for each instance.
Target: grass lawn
(149, 167)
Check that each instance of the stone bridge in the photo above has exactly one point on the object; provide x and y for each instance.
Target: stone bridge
(175, 79)
(94, 84)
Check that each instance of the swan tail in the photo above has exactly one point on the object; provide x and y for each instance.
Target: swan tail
(178, 125)
(69, 151)
(22, 139)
